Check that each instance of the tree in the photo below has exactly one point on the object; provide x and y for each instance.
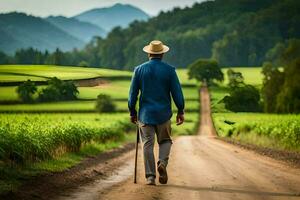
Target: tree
(83, 64)
(104, 104)
(58, 57)
(26, 91)
(58, 90)
(205, 71)
(112, 50)
(235, 79)
(243, 99)
(4, 59)
(281, 90)
(272, 84)
(68, 90)
(288, 99)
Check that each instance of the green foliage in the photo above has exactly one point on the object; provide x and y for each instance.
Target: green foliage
(26, 138)
(205, 71)
(274, 54)
(243, 99)
(288, 99)
(272, 84)
(83, 64)
(271, 130)
(236, 79)
(281, 90)
(105, 104)
(58, 90)
(4, 59)
(112, 49)
(211, 29)
(26, 91)
(30, 56)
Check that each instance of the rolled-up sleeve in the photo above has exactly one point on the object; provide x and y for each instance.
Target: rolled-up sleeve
(176, 92)
(133, 93)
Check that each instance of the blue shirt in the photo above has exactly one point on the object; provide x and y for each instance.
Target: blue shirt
(157, 82)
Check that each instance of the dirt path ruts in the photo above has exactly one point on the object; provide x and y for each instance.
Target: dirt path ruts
(202, 167)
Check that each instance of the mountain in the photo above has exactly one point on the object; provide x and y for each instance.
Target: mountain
(18, 30)
(233, 32)
(110, 17)
(81, 30)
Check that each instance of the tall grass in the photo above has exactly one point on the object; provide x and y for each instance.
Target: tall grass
(40, 136)
(276, 131)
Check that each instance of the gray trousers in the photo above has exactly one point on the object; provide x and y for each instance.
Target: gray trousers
(163, 134)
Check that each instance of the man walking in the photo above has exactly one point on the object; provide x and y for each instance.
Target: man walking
(157, 82)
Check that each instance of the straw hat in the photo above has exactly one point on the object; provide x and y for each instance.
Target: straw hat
(156, 47)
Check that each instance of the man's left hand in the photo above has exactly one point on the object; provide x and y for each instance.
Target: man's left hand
(179, 119)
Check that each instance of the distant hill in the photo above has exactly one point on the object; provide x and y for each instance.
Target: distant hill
(117, 15)
(233, 32)
(18, 30)
(81, 30)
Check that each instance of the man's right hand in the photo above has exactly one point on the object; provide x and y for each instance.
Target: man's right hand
(179, 119)
(133, 119)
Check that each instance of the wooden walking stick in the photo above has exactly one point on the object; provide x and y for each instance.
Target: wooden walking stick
(136, 152)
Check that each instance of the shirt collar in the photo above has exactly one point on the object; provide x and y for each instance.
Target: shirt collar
(156, 59)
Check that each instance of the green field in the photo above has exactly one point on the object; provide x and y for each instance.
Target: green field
(77, 106)
(252, 75)
(9, 73)
(57, 135)
(266, 130)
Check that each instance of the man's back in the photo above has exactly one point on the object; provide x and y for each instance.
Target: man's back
(156, 81)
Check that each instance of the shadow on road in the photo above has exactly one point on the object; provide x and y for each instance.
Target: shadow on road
(228, 190)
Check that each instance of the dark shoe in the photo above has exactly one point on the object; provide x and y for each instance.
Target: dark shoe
(150, 180)
(163, 175)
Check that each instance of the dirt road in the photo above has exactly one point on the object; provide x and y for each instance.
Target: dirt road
(202, 167)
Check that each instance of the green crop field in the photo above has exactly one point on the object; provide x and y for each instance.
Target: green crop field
(267, 130)
(31, 137)
(39, 136)
(40, 116)
(10, 73)
(56, 135)
(77, 106)
(271, 130)
(252, 75)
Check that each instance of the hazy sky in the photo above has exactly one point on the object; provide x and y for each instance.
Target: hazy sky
(73, 7)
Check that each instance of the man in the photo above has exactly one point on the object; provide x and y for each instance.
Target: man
(157, 82)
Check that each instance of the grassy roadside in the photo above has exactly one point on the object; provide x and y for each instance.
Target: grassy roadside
(13, 176)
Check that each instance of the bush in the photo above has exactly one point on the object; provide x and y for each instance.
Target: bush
(104, 104)
(58, 90)
(235, 79)
(83, 64)
(49, 93)
(243, 99)
(26, 91)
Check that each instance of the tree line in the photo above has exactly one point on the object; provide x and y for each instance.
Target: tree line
(233, 32)
(280, 92)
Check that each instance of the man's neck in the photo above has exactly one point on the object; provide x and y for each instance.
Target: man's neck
(155, 58)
